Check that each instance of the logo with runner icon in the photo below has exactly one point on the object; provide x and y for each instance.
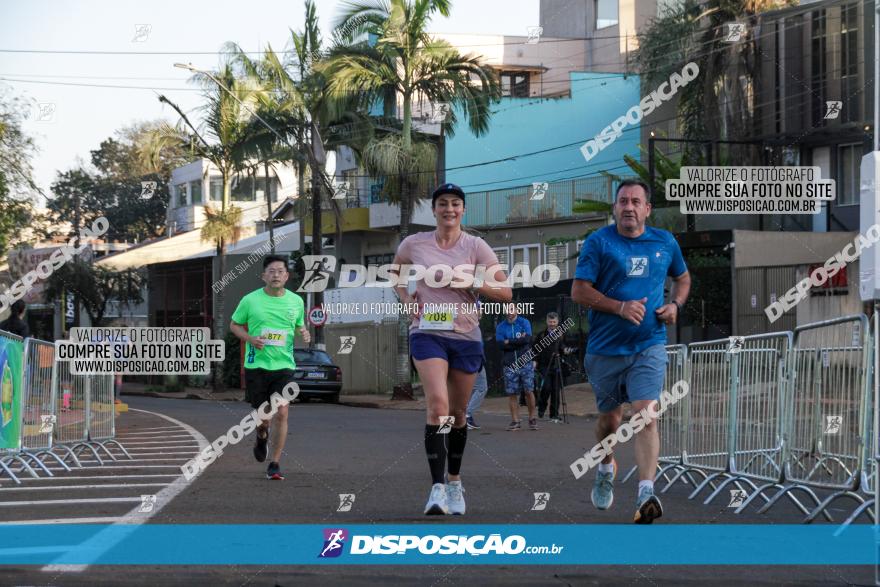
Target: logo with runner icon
(334, 541)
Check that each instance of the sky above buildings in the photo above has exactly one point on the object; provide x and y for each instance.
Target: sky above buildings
(96, 66)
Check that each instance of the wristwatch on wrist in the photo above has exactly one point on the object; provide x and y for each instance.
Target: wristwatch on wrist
(677, 305)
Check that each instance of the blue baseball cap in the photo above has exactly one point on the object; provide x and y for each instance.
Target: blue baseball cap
(447, 188)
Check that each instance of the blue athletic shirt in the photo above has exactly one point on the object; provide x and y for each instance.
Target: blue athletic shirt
(625, 269)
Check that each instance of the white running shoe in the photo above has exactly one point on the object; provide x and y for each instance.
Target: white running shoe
(437, 504)
(455, 497)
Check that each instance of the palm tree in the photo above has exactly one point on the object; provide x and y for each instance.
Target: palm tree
(295, 101)
(226, 122)
(406, 64)
(695, 30)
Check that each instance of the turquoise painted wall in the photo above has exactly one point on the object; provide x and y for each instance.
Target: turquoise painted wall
(527, 125)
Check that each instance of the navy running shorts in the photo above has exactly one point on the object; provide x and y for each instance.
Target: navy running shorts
(462, 355)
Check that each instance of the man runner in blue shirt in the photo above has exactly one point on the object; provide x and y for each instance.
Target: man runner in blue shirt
(620, 276)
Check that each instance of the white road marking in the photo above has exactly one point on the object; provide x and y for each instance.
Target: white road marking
(71, 501)
(120, 467)
(133, 518)
(127, 444)
(100, 486)
(154, 428)
(108, 520)
(66, 477)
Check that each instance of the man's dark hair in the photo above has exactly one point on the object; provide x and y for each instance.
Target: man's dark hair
(18, 307)
(552, 316)
(273, 258)
(629, 182)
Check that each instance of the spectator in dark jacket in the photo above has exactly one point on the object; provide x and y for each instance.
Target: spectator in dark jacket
(15, 324)
(548, 346)
(514, 336)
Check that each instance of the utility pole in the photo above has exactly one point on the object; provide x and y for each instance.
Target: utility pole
(269, 220)
(76, 221)
(317, 149)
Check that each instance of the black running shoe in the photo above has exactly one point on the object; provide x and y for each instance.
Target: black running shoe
(261, 449)
(274, 472)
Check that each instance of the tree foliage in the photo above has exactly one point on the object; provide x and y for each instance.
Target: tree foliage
(94, 286)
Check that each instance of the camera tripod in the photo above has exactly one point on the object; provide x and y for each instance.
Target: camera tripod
(554, 369)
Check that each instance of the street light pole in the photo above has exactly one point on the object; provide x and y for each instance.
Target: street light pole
(314, 163)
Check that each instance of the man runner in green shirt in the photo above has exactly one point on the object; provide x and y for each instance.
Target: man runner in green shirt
(271, 315)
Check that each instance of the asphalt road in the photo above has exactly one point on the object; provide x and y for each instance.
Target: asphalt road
(377, 455)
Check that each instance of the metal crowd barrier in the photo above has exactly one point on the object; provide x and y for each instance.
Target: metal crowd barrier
(102, 414)
(61, 415)
(38, 404)
(782, 413)
(828, 407)
(754, 416)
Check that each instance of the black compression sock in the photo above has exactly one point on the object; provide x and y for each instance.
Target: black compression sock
(435, 447)
(457, 440)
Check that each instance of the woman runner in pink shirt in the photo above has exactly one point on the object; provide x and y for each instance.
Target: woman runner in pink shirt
(445, 341)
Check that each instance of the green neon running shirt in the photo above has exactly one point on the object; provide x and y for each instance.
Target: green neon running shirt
(272, 319)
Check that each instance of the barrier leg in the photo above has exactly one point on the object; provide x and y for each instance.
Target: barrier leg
(735, 481)
(707, 481)
(25, 466)
(93, 443)
(864, 508)
(759, 492)
(35, 459)
(821, 507)
(54, 456)
(88, 446)
(70, 453)
(670, 482)
(116, 443)
(688, 475)
(630, 473)
(787, 491)
(9, 472)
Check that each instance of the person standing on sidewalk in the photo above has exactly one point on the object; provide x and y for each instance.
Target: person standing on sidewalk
(548, 365)
(272, 314)
(620, 277)
(446, 345)
(514, 336)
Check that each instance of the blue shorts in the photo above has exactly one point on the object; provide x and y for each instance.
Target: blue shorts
(617, 380)
(517, 380)
(462, 355)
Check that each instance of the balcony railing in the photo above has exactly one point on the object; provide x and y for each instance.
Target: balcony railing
(516, 206)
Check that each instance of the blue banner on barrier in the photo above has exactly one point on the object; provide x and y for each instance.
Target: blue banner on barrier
(222, 544)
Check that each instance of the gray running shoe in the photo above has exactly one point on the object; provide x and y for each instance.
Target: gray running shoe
(602, 495)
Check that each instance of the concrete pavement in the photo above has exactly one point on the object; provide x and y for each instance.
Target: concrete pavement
(378, 455)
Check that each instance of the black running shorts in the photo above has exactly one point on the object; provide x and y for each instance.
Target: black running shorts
(260, 384)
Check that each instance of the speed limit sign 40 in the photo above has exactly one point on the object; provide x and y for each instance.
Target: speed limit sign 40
(317, 316)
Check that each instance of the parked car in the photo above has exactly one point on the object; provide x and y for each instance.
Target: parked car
(316, 375)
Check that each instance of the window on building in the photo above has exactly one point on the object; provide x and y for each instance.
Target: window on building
(527, 254)
(515, 84)
(180, 195)
(216, 189)
(849, 159)
(261, 188)
(244, 190)
(818, 66)
(849, 63)
(503, 254)
(606, 13)
(557, 255)
(379, 259)
(195, 191)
